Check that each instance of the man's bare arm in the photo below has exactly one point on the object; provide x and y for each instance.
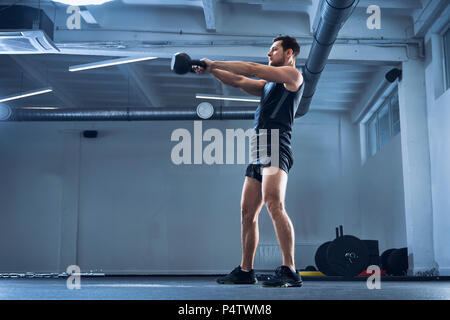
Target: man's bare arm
(250, 86)
(286, 74)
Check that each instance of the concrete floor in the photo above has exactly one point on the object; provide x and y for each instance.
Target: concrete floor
(205, 288)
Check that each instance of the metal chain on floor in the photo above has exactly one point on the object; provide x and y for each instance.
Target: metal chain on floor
(91, 273)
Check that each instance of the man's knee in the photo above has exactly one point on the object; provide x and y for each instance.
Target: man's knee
(274, 205)
(249, 214)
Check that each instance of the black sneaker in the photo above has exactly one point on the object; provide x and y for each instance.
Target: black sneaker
(284, 277)
(237, 276)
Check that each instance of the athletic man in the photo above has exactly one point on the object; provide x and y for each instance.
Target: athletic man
(280, 88)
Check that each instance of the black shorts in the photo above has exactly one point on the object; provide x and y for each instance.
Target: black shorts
(285, 162)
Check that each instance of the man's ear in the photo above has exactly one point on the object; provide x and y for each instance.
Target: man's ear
(290, 52)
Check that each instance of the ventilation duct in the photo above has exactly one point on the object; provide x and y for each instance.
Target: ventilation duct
(333, 15)
(25, 30)
(5, 112)
(125, 114)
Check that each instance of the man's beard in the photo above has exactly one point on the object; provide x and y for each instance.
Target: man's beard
(278, 63)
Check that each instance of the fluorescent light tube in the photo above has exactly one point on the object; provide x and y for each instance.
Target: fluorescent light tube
(217, 97)
(26, 94)
(40, 108)
(82, 2)
(108, 63)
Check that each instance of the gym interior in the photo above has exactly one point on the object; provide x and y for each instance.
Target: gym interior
(92, 117)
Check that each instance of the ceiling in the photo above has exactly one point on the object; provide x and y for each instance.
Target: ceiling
(225, 30)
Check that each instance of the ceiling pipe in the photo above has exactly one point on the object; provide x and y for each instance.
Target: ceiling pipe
(333, 15)
(126, 114)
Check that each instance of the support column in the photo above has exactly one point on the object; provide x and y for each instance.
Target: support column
(416, 168)
(70, 200)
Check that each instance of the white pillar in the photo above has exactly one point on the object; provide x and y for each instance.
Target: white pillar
(416, 167)
(70, 200)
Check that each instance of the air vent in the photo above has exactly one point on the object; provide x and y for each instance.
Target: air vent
(24, 42)
(22, 18)
(25, 30)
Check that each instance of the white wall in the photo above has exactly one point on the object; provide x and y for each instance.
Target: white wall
(381, 197)
(438, 106)
(30, 198)
(118, 203)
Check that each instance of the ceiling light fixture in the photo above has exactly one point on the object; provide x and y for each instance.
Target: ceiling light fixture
(40, 108)
(108, 63)
(230, 98)
(82, 2)
(26, 94)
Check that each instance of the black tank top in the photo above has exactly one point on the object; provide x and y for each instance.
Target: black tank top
(277, 108)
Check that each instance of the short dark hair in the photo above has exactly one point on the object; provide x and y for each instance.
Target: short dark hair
(288, 42)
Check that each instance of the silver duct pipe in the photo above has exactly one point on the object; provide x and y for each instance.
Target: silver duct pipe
(125, 114)
(334, 13)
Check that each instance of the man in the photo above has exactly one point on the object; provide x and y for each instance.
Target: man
(280, 88)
